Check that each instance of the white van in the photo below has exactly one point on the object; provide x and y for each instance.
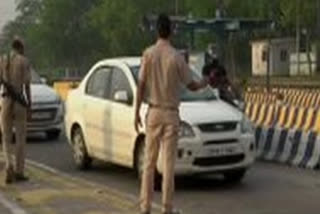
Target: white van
(47, 109)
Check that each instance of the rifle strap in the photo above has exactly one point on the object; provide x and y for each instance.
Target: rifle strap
(7, 75)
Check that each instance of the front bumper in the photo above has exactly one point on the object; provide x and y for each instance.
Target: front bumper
(196, 158)
(55, 122)
(45, 126)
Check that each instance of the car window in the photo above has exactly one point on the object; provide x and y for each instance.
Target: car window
(99, 83)
(120, 82)
(186, 95)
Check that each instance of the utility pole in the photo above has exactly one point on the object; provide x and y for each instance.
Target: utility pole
(269, 47)
(177, 7)
(298, 35)
(220, 9)
(318, 38)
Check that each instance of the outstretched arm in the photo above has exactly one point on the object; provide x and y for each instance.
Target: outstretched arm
(186, 77)
(197, 85)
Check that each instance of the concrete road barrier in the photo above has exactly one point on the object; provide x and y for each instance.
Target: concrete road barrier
(292, 147)
(284, 116)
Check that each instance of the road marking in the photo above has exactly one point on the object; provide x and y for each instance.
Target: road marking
(12, 207)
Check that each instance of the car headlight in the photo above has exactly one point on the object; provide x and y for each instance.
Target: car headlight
(185, 130)
(246, 125)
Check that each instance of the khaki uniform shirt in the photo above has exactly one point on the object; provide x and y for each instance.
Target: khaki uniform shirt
(165, 71)
(18, 76)
(19, 73)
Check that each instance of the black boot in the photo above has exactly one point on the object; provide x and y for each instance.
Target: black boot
(21, 177)
(9, 175)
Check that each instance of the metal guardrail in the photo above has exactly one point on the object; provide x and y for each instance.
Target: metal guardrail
(286, 82)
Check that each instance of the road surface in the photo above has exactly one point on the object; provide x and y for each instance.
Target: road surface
(267, 189)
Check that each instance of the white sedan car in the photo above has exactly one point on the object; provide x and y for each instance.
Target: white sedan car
(214, 137)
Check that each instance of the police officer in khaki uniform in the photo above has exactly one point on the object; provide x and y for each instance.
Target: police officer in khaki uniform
(15, 71)
(162, 74)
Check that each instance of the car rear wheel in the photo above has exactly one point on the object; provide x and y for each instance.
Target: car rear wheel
(53, 134)
(235, 176)
(80, 154)
(140, 163)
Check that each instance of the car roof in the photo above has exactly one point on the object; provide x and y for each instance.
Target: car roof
(130, 61)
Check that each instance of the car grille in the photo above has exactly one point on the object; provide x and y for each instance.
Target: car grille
(49, 114)
(218, 127)
(219, 142)
(216, 161)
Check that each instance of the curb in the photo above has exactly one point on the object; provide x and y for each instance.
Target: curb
(85, 181)
(11, 206)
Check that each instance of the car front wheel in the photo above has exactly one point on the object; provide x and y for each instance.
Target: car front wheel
(80, 154)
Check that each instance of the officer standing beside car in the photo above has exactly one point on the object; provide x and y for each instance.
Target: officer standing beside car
(16, 73)
(163, 72)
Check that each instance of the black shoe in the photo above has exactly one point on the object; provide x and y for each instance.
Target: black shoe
(21, 178)
(173, 212)
(9, 176)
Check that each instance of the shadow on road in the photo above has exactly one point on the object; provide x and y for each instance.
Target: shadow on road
(200, 183)
(185, 183)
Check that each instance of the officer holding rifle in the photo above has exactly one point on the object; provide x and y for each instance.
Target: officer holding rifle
(15, 78)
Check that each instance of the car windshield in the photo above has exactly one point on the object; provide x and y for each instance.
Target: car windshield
(35, 78)
(186, 95)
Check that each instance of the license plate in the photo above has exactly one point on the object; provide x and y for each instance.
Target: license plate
(41, 115)
(224, 151)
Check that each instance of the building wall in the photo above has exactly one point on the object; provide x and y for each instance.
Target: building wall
(304, 66)
(259, 65)
(280, 51)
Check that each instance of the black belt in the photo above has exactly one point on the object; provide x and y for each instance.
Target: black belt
(163, 107)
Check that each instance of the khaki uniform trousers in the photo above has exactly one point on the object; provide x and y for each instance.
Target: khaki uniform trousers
(13, 115)
(162, 129)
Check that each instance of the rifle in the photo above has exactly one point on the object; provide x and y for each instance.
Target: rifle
(10, 91)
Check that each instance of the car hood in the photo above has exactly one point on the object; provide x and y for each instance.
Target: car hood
(208, 112)
(42, 93)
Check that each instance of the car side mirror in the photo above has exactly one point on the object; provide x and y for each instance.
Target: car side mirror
(121, 97)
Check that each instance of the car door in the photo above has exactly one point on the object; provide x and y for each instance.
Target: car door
(122, 117)
(97, 112)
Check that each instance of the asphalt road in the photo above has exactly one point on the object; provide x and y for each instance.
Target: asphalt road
(267, 189)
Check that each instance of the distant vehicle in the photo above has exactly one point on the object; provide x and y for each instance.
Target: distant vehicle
(214, 136)
(47, 109)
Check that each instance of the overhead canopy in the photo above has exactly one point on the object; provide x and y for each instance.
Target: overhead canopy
(183, 23)
(221, 26)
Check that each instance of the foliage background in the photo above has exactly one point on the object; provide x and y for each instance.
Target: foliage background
(70, 35)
